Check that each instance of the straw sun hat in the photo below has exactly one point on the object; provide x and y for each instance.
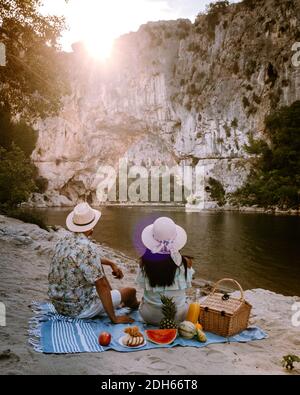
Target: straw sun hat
(83, 218)
(164, 236)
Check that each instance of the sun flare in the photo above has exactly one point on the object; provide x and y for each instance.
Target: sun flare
(99, 49)
(96, 27)
(97, 23)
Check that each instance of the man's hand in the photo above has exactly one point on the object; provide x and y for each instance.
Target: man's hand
(124, 319)
(117, 272)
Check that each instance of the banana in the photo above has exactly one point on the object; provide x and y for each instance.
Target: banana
(126, 340)
(133, 337)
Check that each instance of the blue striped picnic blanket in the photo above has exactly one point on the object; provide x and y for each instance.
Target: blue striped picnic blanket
(51, 333)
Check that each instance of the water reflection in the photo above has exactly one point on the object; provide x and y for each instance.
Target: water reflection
(260, 251)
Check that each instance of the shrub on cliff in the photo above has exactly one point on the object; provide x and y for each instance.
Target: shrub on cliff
(184, 28)
(217, 191)
(275, 178)
(214, 11)
(251, 4)
(41, 184)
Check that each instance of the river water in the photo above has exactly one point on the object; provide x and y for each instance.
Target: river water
(260, 251)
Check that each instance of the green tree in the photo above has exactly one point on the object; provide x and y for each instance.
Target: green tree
(33, 80)
(20, 133)
(17, 175)
(275, 177)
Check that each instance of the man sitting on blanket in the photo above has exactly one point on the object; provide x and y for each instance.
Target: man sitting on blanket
(78, 286)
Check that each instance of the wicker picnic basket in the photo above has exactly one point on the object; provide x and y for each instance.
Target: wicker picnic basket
(224, 315)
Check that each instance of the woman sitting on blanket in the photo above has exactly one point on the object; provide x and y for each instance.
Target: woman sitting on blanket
(163, 270)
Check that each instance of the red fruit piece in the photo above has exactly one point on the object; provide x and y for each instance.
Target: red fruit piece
(104, 339)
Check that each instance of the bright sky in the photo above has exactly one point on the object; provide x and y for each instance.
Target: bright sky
(98, 22)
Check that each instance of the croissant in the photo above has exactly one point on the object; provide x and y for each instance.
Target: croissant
(133, 331)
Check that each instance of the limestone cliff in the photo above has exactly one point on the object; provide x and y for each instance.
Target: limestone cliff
(174, 92)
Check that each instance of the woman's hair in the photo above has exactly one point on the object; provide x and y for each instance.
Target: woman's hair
(160, 269)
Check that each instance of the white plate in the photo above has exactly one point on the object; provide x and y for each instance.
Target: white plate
(123, 345)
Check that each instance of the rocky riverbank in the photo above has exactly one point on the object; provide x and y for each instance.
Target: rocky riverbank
(24, 261)
(40, 201)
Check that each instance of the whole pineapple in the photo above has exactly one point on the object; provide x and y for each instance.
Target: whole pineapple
(169, 311)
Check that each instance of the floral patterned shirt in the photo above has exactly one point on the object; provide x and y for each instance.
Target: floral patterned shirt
(75, 268)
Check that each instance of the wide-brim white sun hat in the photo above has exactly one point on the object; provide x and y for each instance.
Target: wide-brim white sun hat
(83, 218)
(164, 229)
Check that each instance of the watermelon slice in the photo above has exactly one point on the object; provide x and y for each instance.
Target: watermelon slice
(161, 336)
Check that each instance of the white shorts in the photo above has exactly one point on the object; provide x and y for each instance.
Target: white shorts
(98, 309)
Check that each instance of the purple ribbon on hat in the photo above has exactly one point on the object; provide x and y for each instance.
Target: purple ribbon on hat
(167, 247)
